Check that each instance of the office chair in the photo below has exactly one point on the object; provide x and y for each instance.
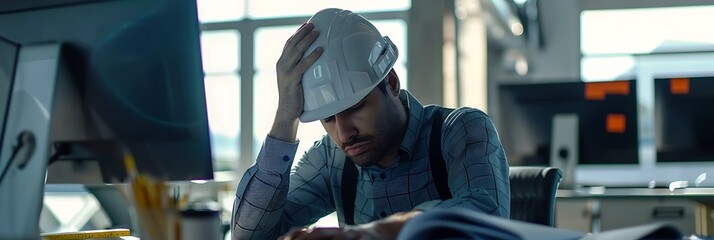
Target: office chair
(533, 194)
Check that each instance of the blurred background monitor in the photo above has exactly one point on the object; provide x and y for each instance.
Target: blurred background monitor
(607, 126)
(684, 120)
(133, 81)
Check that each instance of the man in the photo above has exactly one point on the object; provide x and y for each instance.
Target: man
(337, 68)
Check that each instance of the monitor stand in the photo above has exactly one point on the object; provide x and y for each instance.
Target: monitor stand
(564, 144)
(25, 150)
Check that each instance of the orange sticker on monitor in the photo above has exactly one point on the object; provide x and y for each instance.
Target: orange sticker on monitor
(679, 86)
(615, 123)
(598, 90)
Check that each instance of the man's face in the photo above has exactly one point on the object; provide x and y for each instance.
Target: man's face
(367, 130)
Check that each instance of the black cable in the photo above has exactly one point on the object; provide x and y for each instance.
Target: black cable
(15, 150)
(24, 139)
(61, 149)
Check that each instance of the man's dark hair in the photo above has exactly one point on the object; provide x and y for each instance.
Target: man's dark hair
(383, 85)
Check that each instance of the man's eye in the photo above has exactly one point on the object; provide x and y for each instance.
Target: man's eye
(328, 119)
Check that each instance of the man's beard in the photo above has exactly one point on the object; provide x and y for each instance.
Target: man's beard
(386, 137)
(378, 149)
(380, 143)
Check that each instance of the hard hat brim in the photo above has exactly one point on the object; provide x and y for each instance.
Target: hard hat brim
(336, 106)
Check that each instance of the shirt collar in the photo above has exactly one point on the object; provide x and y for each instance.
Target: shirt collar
(414, 119)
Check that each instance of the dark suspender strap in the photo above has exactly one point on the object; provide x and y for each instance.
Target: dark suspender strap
(349, 190)
(436, 158)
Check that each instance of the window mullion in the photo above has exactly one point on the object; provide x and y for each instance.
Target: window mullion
(247, 73)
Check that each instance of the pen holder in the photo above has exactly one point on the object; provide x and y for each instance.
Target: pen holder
(155, 203)
(202, 220)
(158, 223)
(156, 209)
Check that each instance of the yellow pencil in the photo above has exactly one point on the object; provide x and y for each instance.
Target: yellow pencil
(109, 233)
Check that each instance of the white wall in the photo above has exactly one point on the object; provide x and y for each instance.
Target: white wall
(559, 59)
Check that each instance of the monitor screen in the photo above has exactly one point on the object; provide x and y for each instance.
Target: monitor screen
(607, 125)
(684, 121)
(136, 67)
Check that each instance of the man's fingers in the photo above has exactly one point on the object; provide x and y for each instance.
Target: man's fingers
(296, 46)
(307, 41)
(298, 36)
(331, 233)
(293, 234)
(287, 42)
(321, 233)
(306, 62)
(294, 54)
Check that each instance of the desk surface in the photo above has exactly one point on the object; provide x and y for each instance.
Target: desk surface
(603, 192)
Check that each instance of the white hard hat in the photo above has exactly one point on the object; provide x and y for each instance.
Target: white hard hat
(355, 59)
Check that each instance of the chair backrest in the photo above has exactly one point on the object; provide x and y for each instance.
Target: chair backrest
(533, 194)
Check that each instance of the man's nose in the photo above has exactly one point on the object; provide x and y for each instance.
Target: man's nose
(345, 129)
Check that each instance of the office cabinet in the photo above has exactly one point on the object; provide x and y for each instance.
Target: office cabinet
(604, 214)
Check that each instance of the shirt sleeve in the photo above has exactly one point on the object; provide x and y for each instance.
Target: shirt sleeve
(310, 196)
(262, 191)
(270, 199)
(476, 165)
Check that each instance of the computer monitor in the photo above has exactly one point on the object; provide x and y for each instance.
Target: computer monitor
(684, 120)
(607, 121)
(90, 81)
(137, 66)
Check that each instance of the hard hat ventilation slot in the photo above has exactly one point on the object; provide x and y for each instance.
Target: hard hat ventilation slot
(385, 59)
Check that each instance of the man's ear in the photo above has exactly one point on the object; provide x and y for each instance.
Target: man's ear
(393, 83)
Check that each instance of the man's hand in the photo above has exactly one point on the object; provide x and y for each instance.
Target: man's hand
(347, 233)
(387, 228)
(290, 68)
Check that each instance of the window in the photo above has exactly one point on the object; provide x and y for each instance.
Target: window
(220, 53)
(220, 10)
(292, 8)
(646, 30)
(611, 39)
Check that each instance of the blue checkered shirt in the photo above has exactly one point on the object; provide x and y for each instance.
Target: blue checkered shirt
(271, 198)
